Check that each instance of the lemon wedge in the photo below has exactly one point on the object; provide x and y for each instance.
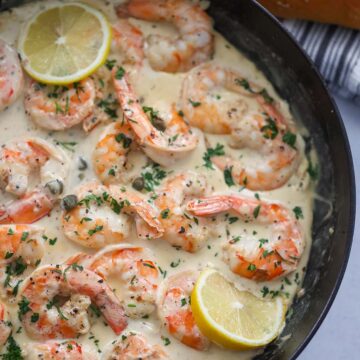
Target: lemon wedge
(233, 318)
(65, 43)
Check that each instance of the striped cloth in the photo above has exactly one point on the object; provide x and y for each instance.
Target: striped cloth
(336, 53)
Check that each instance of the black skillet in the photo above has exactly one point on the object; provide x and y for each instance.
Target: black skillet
(260, 37)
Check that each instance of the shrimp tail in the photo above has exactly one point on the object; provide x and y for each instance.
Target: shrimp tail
(28, 209)
(209, 206)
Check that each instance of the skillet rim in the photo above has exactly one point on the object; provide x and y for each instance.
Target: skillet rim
(351, 178)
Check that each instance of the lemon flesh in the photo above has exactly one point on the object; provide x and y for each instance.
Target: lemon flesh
(65, 44)
(233, 318)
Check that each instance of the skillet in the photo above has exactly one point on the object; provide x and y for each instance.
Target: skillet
(250, 28)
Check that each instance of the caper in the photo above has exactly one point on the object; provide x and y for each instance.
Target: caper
(138, 183)
(159, 123)
(69, 202)
(56, 187)
(82, 164)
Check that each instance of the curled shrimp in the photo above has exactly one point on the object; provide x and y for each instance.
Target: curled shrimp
(21, 248)
(180, 229)
(5, 325)
(137, 272)
(134, 346)
(11, 75)
(266, 132)
(176, 142)
(175, 311)
(18, 160)
(54, 302)
(195, 44)
(102, 215)
(110, 157)
(59, 350)
(60, 107)
(259, 260)
(129, 40)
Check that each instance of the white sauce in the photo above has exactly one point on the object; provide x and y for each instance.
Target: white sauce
(158, 90)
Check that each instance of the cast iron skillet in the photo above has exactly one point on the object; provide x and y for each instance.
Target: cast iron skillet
(258, 35)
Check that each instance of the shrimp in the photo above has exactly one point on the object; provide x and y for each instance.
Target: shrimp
(110, 157)
(266, 132)
(129, 40)
(181, 230)
(60, 107)
(259, 260)
(134, 346)
(137, 273)
(59, 350)
(175, 312)
(165, 148)
(46, 313)
(21, 247)
(101, 216)
(18, 160)
(5, 325)
(195, 44)
(11, 75)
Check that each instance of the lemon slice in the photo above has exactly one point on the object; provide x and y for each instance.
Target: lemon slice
(65, 43)
(232, 318)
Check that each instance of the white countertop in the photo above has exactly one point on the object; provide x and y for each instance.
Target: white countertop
(338, 337)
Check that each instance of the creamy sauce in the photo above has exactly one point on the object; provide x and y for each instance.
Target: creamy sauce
(159, 90)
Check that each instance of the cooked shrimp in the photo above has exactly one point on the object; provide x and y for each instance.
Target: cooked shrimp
(60, 107)
(195, 44)
(21, 247)
(181, 230)
(18, 160)
(110, 157)
(264, 131)
(45, 315)
(129, 40)
(175, 311)
(11, 75)
(5, 325)
(101, 216)
(177, 141)
(59, 350)
(266, 260)
(134, 346)
(137, 273)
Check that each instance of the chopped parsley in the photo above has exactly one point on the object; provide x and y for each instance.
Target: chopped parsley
(211, 152)
(262, 242)
(252, 267)
(313, 170)
(194, 103)
(298, 212)
(23, 307)
(228, 176)
(13, 350)
(166, 340)
(175, 264)
(290, 139)
(67, 145)
(110, 64)
(270, 130)
(256, 211)
(152, 177)
(165, 213)
(120, 72)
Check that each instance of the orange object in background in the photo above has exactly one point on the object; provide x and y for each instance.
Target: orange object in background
(341, 12)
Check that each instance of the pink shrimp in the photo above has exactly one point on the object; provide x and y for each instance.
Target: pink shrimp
(266, 132)
(259, 260)
(195, 44)
(45, 317)
(175, 311)
(137, 272)
(134, 346)
(129, 40)
(59, 350)
(18, 160)
(5, 325)
(176, 142)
